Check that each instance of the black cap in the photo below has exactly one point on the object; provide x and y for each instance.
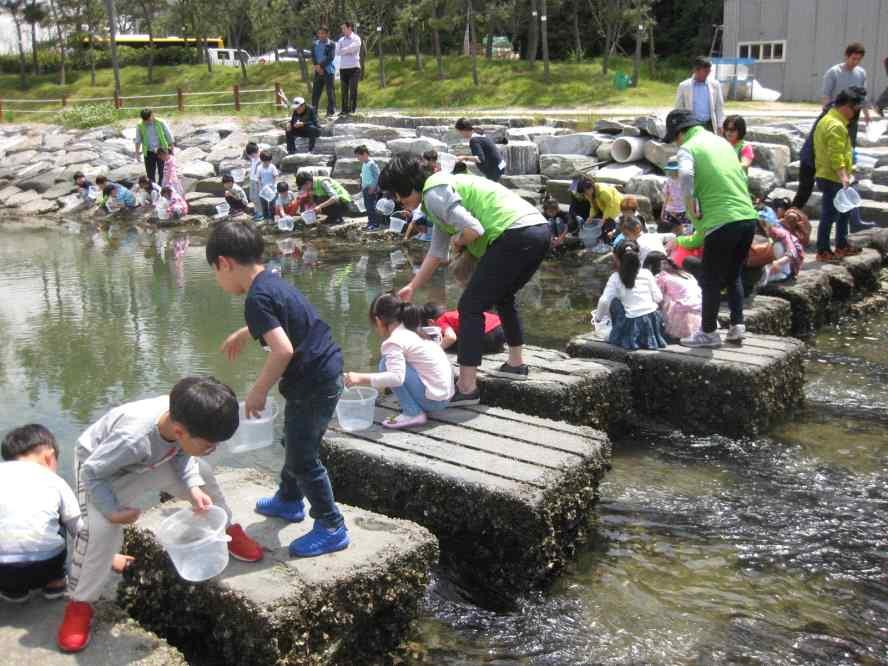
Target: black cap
(702, 62)
(678, 120)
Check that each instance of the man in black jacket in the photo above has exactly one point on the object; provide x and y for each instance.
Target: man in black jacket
(322, 53)
(303, 123)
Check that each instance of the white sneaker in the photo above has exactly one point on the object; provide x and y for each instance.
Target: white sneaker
(701, 339)
(736, 333)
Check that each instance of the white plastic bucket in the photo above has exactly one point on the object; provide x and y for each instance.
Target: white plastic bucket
(238, 175)
(254, 434)
(162, 210)
(446, 162)
(223, 209)
(590, 233)
(287, 245)
(358, 201)
(286, 223)
(268, 193)
(846, 199)
(196, 542)
(309, 216)
(356, 407)
(397, 224)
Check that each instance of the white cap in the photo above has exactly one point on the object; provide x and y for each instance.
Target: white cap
(298, 101)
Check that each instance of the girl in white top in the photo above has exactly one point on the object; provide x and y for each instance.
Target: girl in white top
(416, 369)
(630, 301)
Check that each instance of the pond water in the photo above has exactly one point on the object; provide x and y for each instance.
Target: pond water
(707, 549)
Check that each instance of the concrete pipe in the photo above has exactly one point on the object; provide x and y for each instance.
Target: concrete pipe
(628, 149)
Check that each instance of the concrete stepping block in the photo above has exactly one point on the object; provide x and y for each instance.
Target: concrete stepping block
(576, 390)
(737, 390)
(28, 636)
(346, 605)
(809, 295)
(508, 495)
(765, 314)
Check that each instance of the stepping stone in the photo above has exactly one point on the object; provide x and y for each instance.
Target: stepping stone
(737, 390)
(576, 390)
(28, 636)
(508, 495)
(346, 605)
(766, 315)
(809, 295)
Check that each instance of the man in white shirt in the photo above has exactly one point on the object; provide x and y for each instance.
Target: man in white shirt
(702, 95)
(348, 48)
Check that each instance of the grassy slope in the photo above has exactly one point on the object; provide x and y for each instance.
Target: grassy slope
(503, 84)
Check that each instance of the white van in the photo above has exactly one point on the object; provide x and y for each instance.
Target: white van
(229, 57)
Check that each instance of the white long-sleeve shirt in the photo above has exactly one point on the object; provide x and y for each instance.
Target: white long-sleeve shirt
(641, 300)
(349, 51)
(404, 347)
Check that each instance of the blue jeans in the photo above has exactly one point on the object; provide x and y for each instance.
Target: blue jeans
(306, 416)
(411, 394)
(829, 215)
(370, 199)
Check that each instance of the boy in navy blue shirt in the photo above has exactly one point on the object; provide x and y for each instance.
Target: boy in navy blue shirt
(303, 356)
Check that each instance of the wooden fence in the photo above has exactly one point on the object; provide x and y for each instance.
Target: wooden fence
(182, 101)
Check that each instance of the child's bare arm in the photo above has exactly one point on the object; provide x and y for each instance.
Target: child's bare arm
(279, 357)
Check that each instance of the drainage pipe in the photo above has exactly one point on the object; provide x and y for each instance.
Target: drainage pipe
(628, 149)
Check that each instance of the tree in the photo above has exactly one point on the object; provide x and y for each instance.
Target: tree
(111, 11)
(34, 14)
(610, 20)
(640, 19)
(575, 21)
(14, 7)
(59, 21)
(544, 20)
(470, 17)
(533, 34)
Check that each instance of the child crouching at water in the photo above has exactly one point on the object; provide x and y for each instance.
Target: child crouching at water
(417, 370)
(630, 301)
(494, 339)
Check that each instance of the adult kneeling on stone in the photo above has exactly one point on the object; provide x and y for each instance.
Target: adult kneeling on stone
(508, 237)
(724, 224)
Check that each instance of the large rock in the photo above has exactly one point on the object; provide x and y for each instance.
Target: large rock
(583, 143)
(346, 147)
(325, 144)
(416, 146)
(654, 126)
(40, 182)
(100, 134)
(77, 157)
(210, 186)
(533, 132)
(559, 190)
(190, 154)
(565, 166)
(60, 190)
(649, 186)
(523, 182)
(20, 159)
(273, 137)
(443, 133)
(620, 174)
(120, 145)
(610, 126)
(54, 142)
(372, 132)
(772, 157)
(39, 206)
(22, 198)
(315, 171)
(7, 193)
(348, 168)
(521, 157)
(203, 138)
(659, 153)
(880, 175)
(784, 137)
(32, 142)
(292, 163)
(205, 205)
(112, 159)
(197, 169)
(761, 182)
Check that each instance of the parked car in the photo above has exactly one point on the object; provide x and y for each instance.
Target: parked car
(283, 55)
(230, 57)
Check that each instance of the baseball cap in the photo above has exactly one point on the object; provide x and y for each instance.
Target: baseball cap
(678, 120)
(298, 101)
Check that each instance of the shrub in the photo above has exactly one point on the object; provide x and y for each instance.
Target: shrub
(87, 115)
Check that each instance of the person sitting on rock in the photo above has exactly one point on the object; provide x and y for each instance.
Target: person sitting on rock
(235, 196)
(170, 171)
(329, 195)
(176, 203)
(630, 301)
(417, 370)
(303, 124)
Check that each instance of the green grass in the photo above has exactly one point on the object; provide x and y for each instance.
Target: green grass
(502, 84)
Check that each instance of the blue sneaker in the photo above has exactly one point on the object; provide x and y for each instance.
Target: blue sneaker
(280, 508)
(320, 541)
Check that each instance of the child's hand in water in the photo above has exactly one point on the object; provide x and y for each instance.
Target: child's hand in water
(125, 516)
(254, 403)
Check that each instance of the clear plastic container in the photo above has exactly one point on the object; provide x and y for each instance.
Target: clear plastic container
(238, 175)
(875, 129)
(309, 216)
(268, 193)
(286, 223)
(254, 434)
(846, 199)
(223, 209)
(446, 162)
(385, 207)
(397, 224)
(196, 542)
(356, 408)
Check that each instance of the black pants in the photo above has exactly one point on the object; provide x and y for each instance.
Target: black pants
(349, 79)
(853, 126)
(493, 341)
(235, 204)
(806, 185)
(305, 132)
(724, 253)
(321, 82)
(153, 167)
(20, 578)
(335, 212)
(509, 263)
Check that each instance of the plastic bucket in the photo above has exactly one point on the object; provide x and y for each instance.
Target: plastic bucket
(196, 542)
(396, 224)
(846, 199)
(268, 193)
(358, 201)
(254, 434)
(287, 245)
(223, 209)
(446, 161)
(286, 223)
(590, 233)
(238, 175)
(163, 212)
(309, 216)
(385, 207)
(356, 407)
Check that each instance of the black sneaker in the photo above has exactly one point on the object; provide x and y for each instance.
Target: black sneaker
(461, 399)
(518, 372)
(14, 597)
